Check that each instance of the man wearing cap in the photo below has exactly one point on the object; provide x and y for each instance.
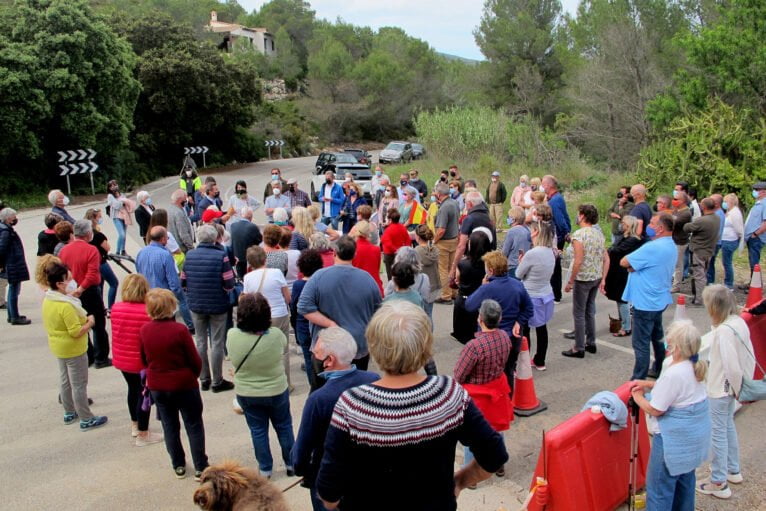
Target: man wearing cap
(276, 177)
(496, 195)
(240, 200)
(212, 216)
(755, 225)
(295, 196)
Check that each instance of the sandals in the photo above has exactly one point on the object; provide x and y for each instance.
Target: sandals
(622, 333)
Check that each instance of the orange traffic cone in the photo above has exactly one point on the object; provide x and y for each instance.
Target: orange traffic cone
(680, 314)
(525, 402)
(755, 295)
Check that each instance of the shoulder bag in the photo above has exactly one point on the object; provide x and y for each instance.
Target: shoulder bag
(752, 390)
(248, 353)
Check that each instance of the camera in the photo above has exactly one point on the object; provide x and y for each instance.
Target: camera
(620, 195)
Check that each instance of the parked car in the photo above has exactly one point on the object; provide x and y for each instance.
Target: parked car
(340, 164)
(361, 155)
(396, 152)
(418, 151)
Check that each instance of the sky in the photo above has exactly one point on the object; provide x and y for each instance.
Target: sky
(447, 25)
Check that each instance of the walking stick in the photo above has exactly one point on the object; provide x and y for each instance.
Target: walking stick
(633, 471)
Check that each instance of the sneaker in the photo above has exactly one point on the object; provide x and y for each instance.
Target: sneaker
(538, 367)
(198, 475)
(266, 474)
(93, 423)
(290, 471)
(735, 478)
(69, 418)
(222, 387)
(180, 472)
(134, 430)
(102, 364)
(148, 439)
(720, 491)
(569, 335)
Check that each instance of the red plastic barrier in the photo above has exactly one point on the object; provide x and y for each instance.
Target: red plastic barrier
(587, 465)
(757, 326)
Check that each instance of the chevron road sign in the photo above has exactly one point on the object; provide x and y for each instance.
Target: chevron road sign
(73, 162)
(195, 150)
(274, 143)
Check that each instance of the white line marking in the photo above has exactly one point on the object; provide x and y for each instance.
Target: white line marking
(608, 344)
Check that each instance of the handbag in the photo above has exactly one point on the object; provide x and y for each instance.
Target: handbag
(615, 324)
(752, 390)
(248, 353)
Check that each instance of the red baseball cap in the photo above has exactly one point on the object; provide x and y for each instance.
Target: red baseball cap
(211, 214)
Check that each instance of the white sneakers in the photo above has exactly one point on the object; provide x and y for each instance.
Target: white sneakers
(721, 491)
(148, 439)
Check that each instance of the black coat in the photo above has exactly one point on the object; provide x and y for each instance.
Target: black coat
(617, 277)
(142, 219)
(13, 265)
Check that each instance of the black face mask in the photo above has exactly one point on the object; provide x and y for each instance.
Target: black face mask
(452, 173)
(15, 221)
(241, 192)
(403, 182)
(654, 208)
(291, 188)
(217, 194)
(328, 181)
(443, 179)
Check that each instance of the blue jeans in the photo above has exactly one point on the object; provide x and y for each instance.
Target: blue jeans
(119, 224)
(108, 276)
(623, 308)
(12, 300)
(429, 308)
(687, 262)
(754, 246)
(304, 341)
(467, 455)
(728, 248)
(724, 439)
(189, 404)
(711, 266)
(183, 308)
(664, 491)
(647, 329)
(258, 412)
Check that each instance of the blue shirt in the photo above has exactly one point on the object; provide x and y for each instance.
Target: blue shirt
(156, 264)
(754, 220)
(512, 297)
(722, 218)
(560, 216)
(648, 287)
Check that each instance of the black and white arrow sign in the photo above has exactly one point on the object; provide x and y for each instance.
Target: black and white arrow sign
(195, 150)
(70, 169)
(273, 143)
(76, 155)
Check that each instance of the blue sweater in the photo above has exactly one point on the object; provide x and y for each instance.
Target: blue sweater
(560, 216)
(512, 297)
(317, 412)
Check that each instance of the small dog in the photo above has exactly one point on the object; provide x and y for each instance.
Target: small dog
(228, 486)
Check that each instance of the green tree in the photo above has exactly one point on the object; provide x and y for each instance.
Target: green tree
(287, 63)
(73, 78)
(518, 38)
(295, 16)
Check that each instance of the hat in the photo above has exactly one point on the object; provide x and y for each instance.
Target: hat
(211, 214)
(292, 181)
(760, 185)
(496, 174)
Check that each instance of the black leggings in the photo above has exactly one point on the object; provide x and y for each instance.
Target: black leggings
(135, 399)
(542, 343)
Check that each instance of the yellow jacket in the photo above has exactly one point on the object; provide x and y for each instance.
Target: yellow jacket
(63, 323)
(433, 209)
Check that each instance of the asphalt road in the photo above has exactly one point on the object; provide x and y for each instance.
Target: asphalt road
(47, 465)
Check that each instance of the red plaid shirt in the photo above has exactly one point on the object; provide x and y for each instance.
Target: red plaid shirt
(483, 359)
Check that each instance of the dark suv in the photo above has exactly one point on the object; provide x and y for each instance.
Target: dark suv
(339, 164)
(361, 155)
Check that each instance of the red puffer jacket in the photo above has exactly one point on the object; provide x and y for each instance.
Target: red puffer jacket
(127, 320)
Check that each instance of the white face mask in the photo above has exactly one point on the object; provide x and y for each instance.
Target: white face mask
(277, 191)
(66, 200)
(188, 173)
(347, 180)
(494, 180)
(542, 189)
(71, 287)
(387, 193)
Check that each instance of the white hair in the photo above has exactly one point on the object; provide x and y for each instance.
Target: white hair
(279, 215)
(408, 256)
(474, 198)
(339, 342)
(82, 228)
(246, 212)
(53, 195)
(207, 233)
(6, 213)
(142, 196)
(178, 195)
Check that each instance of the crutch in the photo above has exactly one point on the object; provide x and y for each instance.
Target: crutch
(635, 416)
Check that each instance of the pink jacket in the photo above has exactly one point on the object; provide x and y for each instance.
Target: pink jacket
(127, 320)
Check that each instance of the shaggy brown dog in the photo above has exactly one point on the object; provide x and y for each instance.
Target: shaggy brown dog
(228, 486)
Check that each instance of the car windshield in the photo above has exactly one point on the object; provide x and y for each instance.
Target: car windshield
(395, 147)
(355, 152)
(344, 158)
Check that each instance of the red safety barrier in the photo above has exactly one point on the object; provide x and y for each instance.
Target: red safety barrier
(757, 326)
(587, 466)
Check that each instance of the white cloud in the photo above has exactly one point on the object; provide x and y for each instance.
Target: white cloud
(446, 25)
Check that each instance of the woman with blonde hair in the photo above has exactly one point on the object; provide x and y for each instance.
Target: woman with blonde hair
(304, 228)
(320, 226)
(679, 419)
(517, 196)
(353, 200)
(128, 316)
(731, 360)
(534, 185)
(102, 244)
(732, 238)
(380, 431)
(617, 276)
(173, 366)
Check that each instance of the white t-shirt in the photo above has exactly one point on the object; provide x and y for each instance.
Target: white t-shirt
(326, 211)
(292, 267)
(172, 244)
(273, 283)
(676, 387)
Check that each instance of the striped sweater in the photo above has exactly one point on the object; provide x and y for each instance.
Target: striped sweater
(404, 439)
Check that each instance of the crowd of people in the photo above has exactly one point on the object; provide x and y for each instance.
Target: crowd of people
(239, 290)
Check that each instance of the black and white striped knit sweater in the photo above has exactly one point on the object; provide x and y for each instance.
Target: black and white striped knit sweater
(380, 417)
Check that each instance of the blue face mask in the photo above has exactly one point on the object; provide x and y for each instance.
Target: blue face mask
(755, 194)
(650, 232)
(433, 198)
(149, 201)
(725, 206)
(675, 194)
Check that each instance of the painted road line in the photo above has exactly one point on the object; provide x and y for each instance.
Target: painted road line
(608, 344)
